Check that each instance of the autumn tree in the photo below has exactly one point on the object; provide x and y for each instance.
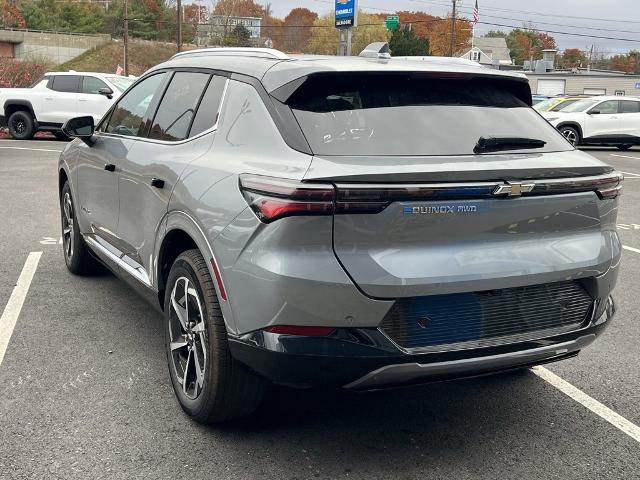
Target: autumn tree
(440, 36)
(626, 63)
(10, 16)
(572, 58)
(297, 28)
(239, 8)
(272, 30)
(527, 43)
(324, 39)
(404, 42)
(420, 22)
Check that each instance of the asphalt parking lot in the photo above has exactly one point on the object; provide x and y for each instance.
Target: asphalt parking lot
(84, 391)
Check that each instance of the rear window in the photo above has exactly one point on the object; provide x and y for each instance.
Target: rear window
(413, 114)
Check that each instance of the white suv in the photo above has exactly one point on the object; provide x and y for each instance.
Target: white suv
(599, 121)
(56, 98)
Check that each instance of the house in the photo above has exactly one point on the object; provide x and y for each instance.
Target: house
(489, 51)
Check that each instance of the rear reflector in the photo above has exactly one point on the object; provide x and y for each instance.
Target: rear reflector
(216, 273)
(300, 331)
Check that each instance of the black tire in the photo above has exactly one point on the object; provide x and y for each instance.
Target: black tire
(60, 135)
(21, 125)
(228, 390)
(76, 253)
(571, 134)
(625, 146)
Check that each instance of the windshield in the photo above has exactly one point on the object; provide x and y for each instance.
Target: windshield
(121, 83)
(564, 104)
(544, 105)
(581, 105)
(410, 114)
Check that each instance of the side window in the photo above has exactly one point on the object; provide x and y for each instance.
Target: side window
(92, 85)
(126, 118)
(207, 114)
(65, 83)
(610, 106)
(629, 106)
(178, 106)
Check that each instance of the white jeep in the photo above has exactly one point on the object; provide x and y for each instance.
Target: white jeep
(56, 98)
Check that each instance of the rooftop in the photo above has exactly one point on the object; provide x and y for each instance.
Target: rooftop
(275, 68)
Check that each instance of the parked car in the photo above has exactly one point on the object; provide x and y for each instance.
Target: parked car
(555, 104)
(353, 222)
(605, 120)
(538, 98)
(56, 98)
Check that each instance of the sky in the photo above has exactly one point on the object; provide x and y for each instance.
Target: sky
(603, 18)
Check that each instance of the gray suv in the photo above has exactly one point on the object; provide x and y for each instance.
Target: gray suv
(361, 222)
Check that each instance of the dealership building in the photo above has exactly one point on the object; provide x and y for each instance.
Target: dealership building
(546, 80)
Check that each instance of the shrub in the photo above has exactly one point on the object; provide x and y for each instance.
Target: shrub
(15, 73)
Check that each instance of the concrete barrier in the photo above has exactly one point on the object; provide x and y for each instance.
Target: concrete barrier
(54, 46)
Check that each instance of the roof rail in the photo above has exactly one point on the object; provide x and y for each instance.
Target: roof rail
(237, 51)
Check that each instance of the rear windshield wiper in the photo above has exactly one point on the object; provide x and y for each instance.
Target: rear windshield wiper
(496, 144)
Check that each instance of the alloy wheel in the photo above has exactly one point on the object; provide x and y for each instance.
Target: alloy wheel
(571, 136)
(19, 126)
(67, 225)
(187, 337)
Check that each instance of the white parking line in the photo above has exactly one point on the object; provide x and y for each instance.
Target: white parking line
(624, 156)
(16, 300)
(633, 175)
(592, 404)
(631, 249)
(34, 149)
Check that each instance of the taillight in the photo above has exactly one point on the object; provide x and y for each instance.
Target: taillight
(611, 189)
(273, 198)
(606, 186)
(300, 330)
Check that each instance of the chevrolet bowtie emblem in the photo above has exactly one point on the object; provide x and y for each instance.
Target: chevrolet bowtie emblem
(513, 189)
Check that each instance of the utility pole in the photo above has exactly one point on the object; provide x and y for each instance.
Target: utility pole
(126, 38)
(453, 28)
(179, 25)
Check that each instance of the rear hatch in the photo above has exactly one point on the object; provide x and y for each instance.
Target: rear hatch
(452, 184)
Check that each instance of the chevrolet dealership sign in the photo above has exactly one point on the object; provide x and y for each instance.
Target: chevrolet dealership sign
(346, 13)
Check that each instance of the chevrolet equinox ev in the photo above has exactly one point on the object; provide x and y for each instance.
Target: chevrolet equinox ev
(357, 222)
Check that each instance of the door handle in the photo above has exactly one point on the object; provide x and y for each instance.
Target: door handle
(157, 183)
(110, 167)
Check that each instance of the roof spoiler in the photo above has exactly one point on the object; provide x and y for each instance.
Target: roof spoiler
(377, 50)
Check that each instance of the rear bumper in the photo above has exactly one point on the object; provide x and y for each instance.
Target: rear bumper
(364, 359)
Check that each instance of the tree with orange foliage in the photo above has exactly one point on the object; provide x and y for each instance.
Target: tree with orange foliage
(272, 30)
(420, 22)
(440, 36)
(297, 29)
(10, 16)
(239, 8)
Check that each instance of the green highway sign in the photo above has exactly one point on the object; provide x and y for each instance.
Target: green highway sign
(392, 22)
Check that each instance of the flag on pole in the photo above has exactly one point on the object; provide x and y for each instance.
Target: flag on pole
(119, 70)
(476, 14)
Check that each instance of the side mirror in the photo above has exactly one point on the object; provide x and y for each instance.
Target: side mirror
(594, 112)
(80, 127)
(106, 91)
